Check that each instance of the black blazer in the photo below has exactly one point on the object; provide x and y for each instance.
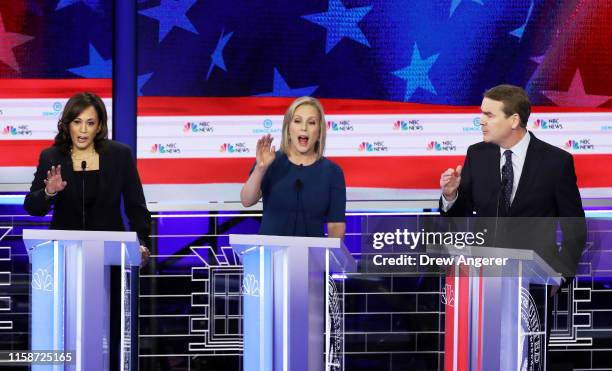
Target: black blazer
(118, 177)
(546, 190)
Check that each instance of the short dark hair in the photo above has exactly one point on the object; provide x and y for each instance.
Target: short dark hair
(514, 98)
(74, 107)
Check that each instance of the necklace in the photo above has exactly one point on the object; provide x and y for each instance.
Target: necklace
(87, 158)
(89, 155)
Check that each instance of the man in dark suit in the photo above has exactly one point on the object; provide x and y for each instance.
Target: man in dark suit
(511, 173)
(520, 185)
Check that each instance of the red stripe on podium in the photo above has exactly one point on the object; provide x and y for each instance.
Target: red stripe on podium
(449, 320)
(480, 291)
(463, 338)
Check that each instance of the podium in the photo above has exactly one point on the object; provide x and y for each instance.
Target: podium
(492, 318)
(70, 295)
(292, 318)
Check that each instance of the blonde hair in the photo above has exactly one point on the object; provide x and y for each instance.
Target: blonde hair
(313, 102)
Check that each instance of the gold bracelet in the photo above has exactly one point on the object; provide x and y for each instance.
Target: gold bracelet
(49, 194)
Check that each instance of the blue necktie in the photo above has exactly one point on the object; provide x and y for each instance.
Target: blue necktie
(507, 182)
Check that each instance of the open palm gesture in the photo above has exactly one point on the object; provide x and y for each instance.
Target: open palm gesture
(265, 151)
(54, 182)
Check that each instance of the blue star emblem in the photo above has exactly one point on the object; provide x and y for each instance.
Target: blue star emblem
(417, 73)
(281, 89)
(93, 4)
(170, 14)
(97, 67)
(455, 4)
(519, 31)
(217, 55)
(142, 80)
(341, 22)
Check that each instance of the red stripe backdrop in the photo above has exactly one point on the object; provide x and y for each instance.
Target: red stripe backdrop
(381, 172)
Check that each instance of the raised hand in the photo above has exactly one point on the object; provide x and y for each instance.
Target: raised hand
(449, 182)
(265, 151)
(54, 182)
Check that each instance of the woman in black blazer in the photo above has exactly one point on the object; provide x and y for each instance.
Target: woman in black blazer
(83, 155)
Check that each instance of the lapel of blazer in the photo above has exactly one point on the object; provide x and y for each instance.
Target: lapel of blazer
(68, 177)
(529, 173)
(105, 172)
(492, 168)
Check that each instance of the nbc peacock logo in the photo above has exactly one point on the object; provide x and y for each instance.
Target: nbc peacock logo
(434, 146)
(572, 144)
(342, 125)
(42, 280)
(551, 124)
(198, 127)
(410, 125)
(400, 125)
(377, 146)
(365, 146)
(579, 145)
(21, 130)
(9, 130)
(240, 147)
(442, 146)
(226, 148)
(168, 148)
(250, 285)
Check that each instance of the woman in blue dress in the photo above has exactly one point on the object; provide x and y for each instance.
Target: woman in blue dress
(301, 189)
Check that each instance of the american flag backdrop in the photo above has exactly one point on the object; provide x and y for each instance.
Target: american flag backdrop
(48, 51)
(401, 81)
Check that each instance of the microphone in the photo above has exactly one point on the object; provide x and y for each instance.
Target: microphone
(83, 167)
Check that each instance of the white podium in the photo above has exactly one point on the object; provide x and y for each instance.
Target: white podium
(492, 321)
(291, 315)
(70, 295)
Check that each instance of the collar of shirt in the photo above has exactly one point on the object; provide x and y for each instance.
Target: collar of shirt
(519, 150)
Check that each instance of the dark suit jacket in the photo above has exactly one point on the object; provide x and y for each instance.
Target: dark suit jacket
(547, 190)
(118, 177)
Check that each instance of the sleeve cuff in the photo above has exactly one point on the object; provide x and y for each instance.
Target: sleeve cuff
(446, 205)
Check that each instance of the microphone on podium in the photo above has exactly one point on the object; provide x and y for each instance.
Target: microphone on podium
(83, 167)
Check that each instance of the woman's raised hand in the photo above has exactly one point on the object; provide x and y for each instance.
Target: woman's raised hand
(265, 151)
(54, 182)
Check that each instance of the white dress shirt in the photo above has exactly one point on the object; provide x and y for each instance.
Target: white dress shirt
(519, 153)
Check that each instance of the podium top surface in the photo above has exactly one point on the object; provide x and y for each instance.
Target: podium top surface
(283, 241)
(34, 237)
(341, 257)
(108, 243)
(537, 263)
